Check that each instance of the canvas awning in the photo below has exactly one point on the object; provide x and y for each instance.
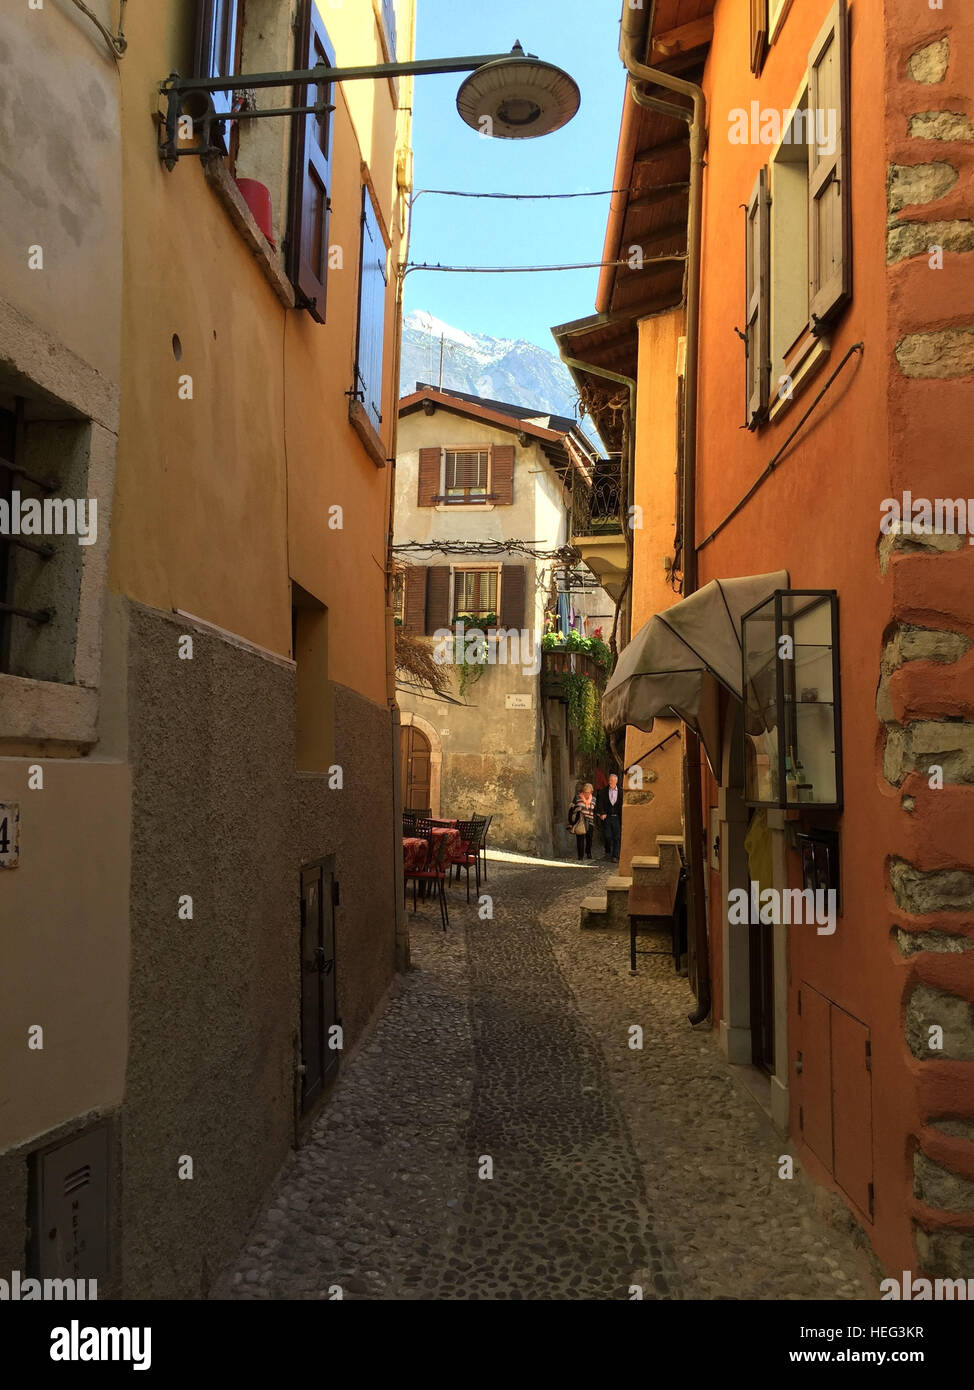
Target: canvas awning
(679, 659)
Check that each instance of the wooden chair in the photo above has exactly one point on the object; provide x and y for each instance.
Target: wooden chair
(468, 855)
(434, 871)
(485, 821)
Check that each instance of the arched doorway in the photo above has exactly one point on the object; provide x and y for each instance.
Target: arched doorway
(415, 752)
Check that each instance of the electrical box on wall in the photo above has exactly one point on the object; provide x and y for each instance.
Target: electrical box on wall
(69, 1208)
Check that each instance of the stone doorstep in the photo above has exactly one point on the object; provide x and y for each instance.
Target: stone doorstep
(611, 911)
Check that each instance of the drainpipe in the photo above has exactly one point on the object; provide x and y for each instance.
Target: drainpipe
(576, 365)
(636, 28)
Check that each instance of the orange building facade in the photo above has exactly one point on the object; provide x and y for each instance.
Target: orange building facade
(820, 388)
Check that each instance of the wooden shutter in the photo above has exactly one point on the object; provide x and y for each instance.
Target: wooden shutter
(759, 34)
(217, 44)
(371, 313)
(429, 477)
(829, 189)
(502, 476)
(758, 343)
(307, 248)
(389, 23)
(414, 599)
(512, 596)
(437, 598)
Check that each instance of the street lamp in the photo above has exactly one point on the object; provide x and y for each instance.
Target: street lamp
(509, 96)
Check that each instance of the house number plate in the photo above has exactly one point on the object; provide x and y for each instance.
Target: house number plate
(9, 834)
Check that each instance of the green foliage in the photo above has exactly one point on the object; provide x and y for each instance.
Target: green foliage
(584, 711)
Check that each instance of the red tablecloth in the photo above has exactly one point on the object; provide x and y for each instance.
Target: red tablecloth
(414, 847)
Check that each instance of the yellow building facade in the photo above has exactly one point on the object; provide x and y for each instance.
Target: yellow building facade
(198, 730)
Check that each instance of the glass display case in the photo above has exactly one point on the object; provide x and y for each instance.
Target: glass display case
(792, 713)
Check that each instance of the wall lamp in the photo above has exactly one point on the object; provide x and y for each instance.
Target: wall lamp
(509, 96)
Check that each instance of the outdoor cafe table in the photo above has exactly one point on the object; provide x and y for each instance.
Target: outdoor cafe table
(414, 847)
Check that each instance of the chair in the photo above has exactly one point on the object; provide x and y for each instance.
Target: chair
(485, 822)
(434, 871)
(468, 855)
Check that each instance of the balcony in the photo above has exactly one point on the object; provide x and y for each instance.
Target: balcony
(557, 664)
(597, 524)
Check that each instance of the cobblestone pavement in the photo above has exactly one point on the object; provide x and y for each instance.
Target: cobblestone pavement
(506, 1050)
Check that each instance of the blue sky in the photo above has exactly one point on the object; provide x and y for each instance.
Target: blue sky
(580, 36)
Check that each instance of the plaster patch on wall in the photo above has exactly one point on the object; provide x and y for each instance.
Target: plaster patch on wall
(927, 1008)
(911, 943)
(941, 125)
(917, 891)
(915, 239)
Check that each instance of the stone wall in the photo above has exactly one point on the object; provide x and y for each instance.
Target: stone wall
(925, 699)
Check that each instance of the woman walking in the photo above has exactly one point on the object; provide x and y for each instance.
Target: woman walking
(581, 820)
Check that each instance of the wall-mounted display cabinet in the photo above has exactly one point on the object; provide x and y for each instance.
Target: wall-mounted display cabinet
(792, 709)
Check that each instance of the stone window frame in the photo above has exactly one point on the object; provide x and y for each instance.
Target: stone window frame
(39, 711)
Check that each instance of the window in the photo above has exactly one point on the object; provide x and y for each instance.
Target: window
(371, 314)
(218, 38)
(475, 593)
(767, 17)
(792, 712)
(46, 523)
(799, 233)
(389, 24)
(307, 239)
(465, 475)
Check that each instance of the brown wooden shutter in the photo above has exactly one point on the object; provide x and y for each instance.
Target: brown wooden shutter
(758, 343)
(512, 596)
(829, 190)
(437, 598)
(414, 599)
(307, 243)
(502, 476)
(429, 477)
(218, 33)
(759, 34)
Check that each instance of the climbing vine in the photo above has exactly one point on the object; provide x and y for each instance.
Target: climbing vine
(584, 711)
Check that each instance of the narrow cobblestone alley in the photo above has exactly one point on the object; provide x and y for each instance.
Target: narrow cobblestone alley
(508, 1043)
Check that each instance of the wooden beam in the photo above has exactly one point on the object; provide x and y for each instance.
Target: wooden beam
(682, 39)
(651, 196)
(657, 152)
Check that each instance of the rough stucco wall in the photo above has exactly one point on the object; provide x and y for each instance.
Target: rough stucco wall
(356, 825)
(220, 813)
(214, 1001)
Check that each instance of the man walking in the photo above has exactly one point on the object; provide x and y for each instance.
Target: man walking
(609, 811)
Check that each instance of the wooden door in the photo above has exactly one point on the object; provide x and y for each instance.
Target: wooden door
(319, 1011)
(414, 748)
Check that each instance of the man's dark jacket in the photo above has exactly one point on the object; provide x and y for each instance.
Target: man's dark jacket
(603, 805)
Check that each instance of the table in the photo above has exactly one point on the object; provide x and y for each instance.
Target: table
(414, 847)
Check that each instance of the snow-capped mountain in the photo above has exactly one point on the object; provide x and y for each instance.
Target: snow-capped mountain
(501, 369)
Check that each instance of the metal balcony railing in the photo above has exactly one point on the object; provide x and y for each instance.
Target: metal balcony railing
(596, 503)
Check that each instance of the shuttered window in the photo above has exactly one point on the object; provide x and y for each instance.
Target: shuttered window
(502, 475)
(437, 598)
(307, 240)
(475, 592)
(795, 290)
(758, 300)
(414, 599)
(371, 313)
(759, 34)
(218, 36)
(512, 596)
(829, 193)
(465, 475)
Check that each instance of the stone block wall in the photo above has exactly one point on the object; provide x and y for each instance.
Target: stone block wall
(925, 698)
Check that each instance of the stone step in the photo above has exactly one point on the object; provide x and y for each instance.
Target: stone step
(610, 911)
